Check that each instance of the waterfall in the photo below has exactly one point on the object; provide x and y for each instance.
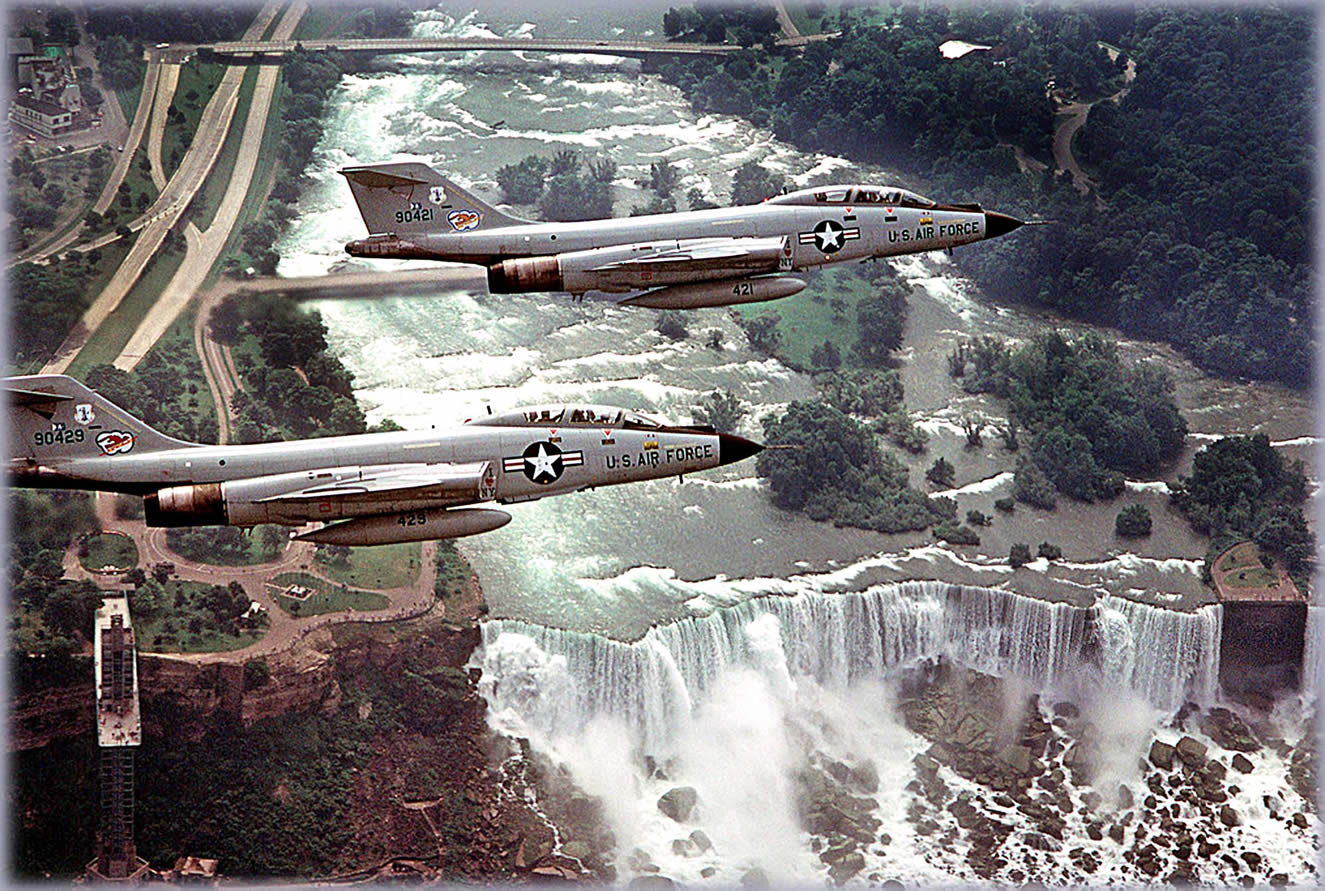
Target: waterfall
(1162, 656)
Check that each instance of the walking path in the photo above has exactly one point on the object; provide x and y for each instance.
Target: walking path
(286, 631)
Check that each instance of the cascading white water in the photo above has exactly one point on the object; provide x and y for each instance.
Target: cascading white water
(1163, 656)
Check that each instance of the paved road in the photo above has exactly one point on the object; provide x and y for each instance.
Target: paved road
(1075, 114)
(169, 206)
(789, 28)
(203, 250)
(279, 47)
(286, 631)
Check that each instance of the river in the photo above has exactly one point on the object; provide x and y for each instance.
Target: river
(615, 577)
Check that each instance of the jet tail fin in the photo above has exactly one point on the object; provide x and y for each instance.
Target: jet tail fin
(53, 417)
(412, 197)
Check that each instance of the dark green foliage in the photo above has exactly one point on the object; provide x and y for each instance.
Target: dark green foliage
(256, 673)
(277, 401)
(1049, 551)
(861, 391)
(1006, 505)
(1204, 168)
(976, 518)
(1019, 555)
(721, 410)
(1031, 486)
(1133, 521)
(1092, 417)
(762, 330)
(837, 472)
(663, 178)
(941, 473)
(1240, 486)
(751, 184)
(826, 356)
(954, 534)
(881, 318)
(522, 183)
(49, 293)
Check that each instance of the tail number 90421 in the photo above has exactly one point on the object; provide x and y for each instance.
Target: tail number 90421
(415, 215)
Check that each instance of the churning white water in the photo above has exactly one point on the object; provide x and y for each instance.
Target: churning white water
(734, 702)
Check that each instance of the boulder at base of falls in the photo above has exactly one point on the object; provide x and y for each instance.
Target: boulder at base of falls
(755, 879)
(651, 883)
(1191, 752)
(1242, 763)
(865, 777)
(577, 849)
(1161, 754)
(1228, 816)
(677, 803)
(1229, 730)
(847, 867)
(700, 840)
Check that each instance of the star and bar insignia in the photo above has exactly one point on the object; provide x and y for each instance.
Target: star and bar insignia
(543, 462)
(829, 236)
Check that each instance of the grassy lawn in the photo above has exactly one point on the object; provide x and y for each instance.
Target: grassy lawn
(374, 568)
(198, 80)
(329, 599)
(1245, 554)
(809, 318)
(119, 326)
(182, 625)
(128, 99)
(1252, 577)
(108, 549)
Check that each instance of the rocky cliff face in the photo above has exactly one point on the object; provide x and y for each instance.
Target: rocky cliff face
(182, 697)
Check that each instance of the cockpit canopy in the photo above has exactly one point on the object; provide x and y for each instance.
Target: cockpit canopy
(821, 195)
(570, 416)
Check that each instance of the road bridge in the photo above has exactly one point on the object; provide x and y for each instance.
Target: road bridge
(263, 50)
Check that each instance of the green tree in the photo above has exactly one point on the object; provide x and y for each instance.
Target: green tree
(752, 183)
(941, 473)
(1133, 521)
(1019, 555)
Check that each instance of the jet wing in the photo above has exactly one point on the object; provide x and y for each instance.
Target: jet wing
(704, 254)
(424, 480)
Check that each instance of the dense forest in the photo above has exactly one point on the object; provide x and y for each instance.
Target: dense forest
(1189, 236)
(1091, 417)
(297, 390)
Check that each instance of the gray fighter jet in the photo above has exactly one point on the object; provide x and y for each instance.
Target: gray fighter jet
(375, 488)
(678, 260)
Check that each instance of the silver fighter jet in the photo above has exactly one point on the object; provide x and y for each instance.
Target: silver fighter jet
(375, 488)
(678, 260)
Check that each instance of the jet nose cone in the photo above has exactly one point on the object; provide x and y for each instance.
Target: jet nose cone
(997, 224)
(736, 448)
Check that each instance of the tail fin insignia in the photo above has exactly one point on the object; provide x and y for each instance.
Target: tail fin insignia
(410, 197)
(53, 417)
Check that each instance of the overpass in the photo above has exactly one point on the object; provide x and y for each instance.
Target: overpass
(237, 51)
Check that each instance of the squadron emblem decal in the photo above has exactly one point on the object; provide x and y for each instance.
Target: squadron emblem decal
(462, 220)
(829, 236)
(543, 462)
(83, 413)
(115, 442)
(437, 195)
